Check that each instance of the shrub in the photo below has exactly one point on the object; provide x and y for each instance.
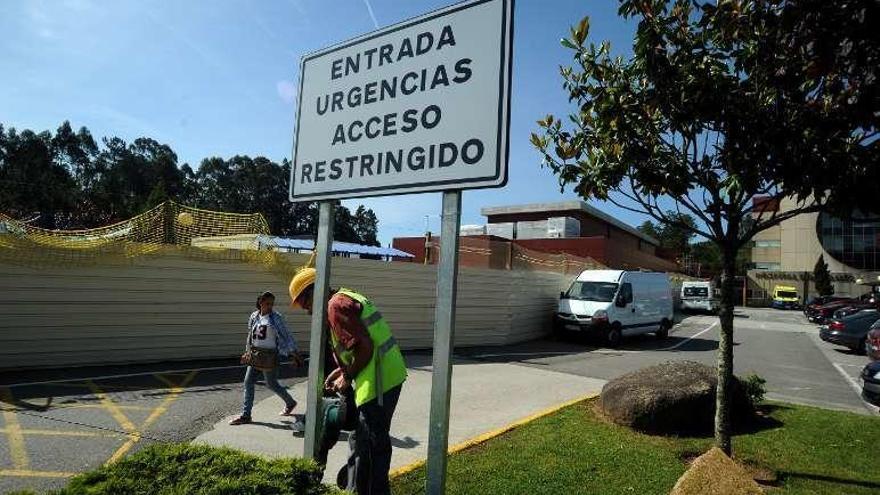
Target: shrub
(755, 388)
(166, 469)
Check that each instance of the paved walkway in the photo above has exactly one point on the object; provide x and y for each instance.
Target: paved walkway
(485, 397)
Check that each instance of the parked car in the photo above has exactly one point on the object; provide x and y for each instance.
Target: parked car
(613, 304)
(849, 310)
(850, 331)
(785, 297)
(814, 303)
(872, 342)
(698, 296)
(826, 311)
(871, 383)
(865, 301)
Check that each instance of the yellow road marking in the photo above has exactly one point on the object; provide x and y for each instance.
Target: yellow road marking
(26, 473)
(64, 433)
(165, 381)
(174, 392)
(17, 449)
(112, 408)
(491, 434)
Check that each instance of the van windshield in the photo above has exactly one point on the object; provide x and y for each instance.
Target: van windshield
(592, 291)
(786, 293)
(696, 292)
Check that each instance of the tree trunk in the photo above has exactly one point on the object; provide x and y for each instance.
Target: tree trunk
(725, 354)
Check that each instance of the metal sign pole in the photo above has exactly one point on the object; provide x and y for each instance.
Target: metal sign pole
(317, 343)
(444, 332)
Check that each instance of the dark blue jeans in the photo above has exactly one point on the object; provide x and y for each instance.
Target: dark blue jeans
(271, 378)
(373, 444)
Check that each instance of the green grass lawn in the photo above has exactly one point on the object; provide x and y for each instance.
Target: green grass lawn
(806, 450)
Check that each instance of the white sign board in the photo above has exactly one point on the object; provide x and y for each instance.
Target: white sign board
(419, 106)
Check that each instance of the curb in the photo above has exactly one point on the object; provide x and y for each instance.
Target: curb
(477, 440)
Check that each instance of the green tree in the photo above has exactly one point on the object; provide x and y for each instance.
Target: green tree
(366, 226)
(707, 254)
(650, 229)
(720, 103)
(672, 236)
(67, 180)
(32, 182)
(822, 277)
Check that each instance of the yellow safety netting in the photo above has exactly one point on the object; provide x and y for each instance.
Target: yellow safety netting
(168, 223)
(166, 230)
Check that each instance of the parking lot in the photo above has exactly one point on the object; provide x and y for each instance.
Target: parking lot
(69, 424)
(780, 346)
(63, 426)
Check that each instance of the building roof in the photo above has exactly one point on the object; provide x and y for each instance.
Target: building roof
(567, 206)
(338, 247)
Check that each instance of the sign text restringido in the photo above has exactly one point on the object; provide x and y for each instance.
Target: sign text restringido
(418, 106)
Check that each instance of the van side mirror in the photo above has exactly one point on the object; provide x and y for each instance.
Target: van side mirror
(620, 301)
(562, 295)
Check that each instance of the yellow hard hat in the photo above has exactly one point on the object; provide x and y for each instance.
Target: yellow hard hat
(301, 281)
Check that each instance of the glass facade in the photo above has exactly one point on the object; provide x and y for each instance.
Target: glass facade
(853, 241)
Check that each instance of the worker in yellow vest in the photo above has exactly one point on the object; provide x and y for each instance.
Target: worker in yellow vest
(368, 359)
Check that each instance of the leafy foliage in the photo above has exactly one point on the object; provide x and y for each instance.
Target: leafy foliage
(672, 236)
(67, 180)
(707, 254)
(193, 469)
(822, 277)
(755, 388)
(721, 104)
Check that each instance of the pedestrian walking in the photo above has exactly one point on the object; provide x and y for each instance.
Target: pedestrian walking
(268, 342)
(369, 361)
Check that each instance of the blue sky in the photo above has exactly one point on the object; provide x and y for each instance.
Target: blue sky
(218, 78)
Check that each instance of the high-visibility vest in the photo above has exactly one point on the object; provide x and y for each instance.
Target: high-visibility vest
(386, 368)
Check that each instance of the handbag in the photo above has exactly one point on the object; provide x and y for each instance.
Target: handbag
(261, 359)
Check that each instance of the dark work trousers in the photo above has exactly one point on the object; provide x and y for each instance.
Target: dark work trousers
(373, 444)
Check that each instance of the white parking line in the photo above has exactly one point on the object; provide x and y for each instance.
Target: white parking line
(685, 341)
(855, 385)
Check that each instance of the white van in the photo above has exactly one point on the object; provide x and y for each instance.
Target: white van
(698, 296)
(614, 304)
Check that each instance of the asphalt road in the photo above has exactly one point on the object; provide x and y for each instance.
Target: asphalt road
(79, 419)
(780, 346)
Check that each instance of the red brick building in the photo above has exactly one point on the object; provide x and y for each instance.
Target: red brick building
(602, 237)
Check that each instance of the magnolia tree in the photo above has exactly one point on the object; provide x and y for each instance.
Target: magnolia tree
(720, 104)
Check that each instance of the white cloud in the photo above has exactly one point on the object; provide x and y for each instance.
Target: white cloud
(287, 91)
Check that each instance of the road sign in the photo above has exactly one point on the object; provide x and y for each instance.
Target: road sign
(419, 106)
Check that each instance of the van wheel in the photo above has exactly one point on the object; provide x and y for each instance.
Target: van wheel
(614, 336)
(663, 331)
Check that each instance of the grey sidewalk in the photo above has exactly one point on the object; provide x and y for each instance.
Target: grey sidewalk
(485, 397)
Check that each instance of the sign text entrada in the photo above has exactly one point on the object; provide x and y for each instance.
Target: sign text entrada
(419, 106)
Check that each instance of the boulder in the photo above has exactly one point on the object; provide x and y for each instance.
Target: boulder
(713, 473)
(672, 397)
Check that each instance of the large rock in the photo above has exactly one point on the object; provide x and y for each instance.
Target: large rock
(713, 473)
(671, 397)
